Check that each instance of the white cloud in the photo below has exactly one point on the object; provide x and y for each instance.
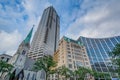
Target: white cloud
(94, 19)
(34, 9)
(9, 41)
(100, 21)
(10, 52)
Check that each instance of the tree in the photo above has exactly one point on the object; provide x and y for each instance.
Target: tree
(107, 76)
(101, 75)
(5, 67)
(58, 71)
(65, 72)
(115, 54)
(82, 72)
(46, 63)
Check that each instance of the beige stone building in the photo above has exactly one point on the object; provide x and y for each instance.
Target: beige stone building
(71, 54)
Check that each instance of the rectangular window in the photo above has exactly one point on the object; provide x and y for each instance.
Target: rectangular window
(69, 55)
(69, 60)
(68, 51)
(86, 59)
(86, 63)
(85, 56)
(70, 65)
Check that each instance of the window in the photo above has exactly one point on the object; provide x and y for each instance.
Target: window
(20, 59)
(85, 56)
(23, 52)
(40, 54)
(68, 51)
(78, 58)
(78, 63)
(67, 42)
(69, 55)
(73, 57)
(86, 63)
(104, 69)
(68, 48)
(34, 56)
(33, 77)
(28, 76)
(70, 65)
(7, 59)
(2, 57)
(69, 60)
(46, 36)
(86, 59)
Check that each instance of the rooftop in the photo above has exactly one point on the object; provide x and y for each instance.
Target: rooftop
(71, 40)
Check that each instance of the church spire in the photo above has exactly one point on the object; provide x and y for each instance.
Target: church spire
(27, 39)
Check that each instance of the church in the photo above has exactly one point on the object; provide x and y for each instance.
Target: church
(23, 66)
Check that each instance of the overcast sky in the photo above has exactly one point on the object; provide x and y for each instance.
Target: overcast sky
(89, 18)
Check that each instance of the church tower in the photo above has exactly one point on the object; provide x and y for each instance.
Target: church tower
(19, 58)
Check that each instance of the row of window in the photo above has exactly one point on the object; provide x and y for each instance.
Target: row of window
(98, 50)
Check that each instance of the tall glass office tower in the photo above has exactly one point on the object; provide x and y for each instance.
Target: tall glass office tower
(45, 40)
(98, 49)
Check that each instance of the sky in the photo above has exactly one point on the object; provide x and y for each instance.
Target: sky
(88, 18)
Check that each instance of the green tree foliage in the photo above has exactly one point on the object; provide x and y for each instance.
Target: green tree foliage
(58, 71)
(5, 67)
(101, 75)
(65, 72)
(81, 73)
(45, 63)
(115, 54)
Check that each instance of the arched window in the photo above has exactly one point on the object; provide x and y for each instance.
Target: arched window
(28, 76)
(33, 77)
(23, 52)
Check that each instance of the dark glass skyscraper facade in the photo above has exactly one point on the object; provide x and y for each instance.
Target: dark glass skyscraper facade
(98, 49)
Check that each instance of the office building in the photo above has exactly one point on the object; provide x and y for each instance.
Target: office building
(98, 51)
(71, 54)
(45, 40)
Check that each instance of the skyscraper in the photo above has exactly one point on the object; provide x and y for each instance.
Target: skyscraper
(45, 40)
